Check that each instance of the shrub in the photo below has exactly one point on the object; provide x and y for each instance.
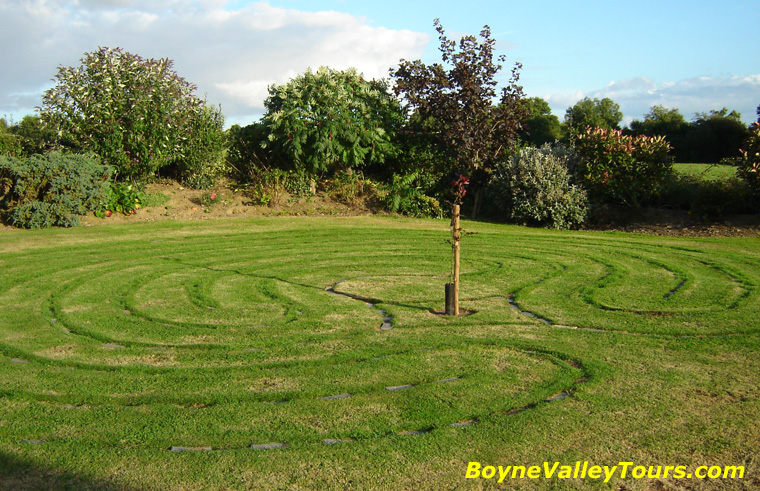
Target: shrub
(268, 187)
(10, 144)
(138, 115)
(331, 120)
(534, 187)
(749, 161)
(52, 189)
(707, 199)
(349, 188)
(406, 196)
(122, 198)
(621, 168)
(33, 136)
(203, 161)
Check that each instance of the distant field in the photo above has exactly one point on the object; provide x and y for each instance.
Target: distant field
(710, 172)
(309, 353)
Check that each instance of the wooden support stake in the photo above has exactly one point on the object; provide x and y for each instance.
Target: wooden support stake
(456, 236)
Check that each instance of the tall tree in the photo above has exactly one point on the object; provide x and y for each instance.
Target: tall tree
(669, 123)
(715, 135)
(596, 113)
(460, 100)
(541, 126)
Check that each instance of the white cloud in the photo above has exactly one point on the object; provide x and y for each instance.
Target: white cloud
(232, 56)
(689, 96)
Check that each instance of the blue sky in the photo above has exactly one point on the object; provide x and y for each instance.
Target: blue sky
(694, 56)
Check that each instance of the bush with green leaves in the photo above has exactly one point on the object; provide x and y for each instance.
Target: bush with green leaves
(749, 160)
(52, 189)
(707, 199)
(137, 114)
(621, 168)
(122, 198)
(202, 161)
(10, 144)
(330, 120)
(350, 188)
(534, 187)
(407, 196)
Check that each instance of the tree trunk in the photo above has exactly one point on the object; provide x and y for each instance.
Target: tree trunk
(456, 236)
(477, 202)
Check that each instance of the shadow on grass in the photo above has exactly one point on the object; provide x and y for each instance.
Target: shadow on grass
(23, 474)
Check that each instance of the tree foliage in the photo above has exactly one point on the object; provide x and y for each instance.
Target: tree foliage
(329, 119)
(136, 114)
(541, 126)
(669, 123)
(715, 135)
(460, 101)
(749, 161)
(595, 113)
(33, 136)
(10, 144)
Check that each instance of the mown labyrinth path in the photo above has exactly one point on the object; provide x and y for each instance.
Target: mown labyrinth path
(254, 337)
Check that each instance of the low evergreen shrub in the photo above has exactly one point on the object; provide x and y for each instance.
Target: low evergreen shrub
(52, 189)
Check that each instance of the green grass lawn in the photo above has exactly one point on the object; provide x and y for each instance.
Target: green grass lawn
(164, 355)
(708, 172)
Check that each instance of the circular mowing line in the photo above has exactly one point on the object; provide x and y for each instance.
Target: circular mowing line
(458, 424)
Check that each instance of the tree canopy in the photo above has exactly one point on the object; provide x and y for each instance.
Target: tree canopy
(541, 126)
(477, 124)
(595, 113)
(330, 119)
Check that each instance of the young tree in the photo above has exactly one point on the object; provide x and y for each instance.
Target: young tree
(329, 119)
(595, 113)
(460, 101)
(134, 113)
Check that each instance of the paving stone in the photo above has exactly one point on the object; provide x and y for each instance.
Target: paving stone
(268, 446)
(415, 432)
(399, 387)
(339, 396)
(190, 449)
(18, 360)
(112, 345)
(446, 380)
(33, 442)
(386, 326)
(335, 442)
(557, 397)
(463, 423)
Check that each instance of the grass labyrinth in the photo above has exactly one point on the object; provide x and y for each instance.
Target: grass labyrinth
(323, 337)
